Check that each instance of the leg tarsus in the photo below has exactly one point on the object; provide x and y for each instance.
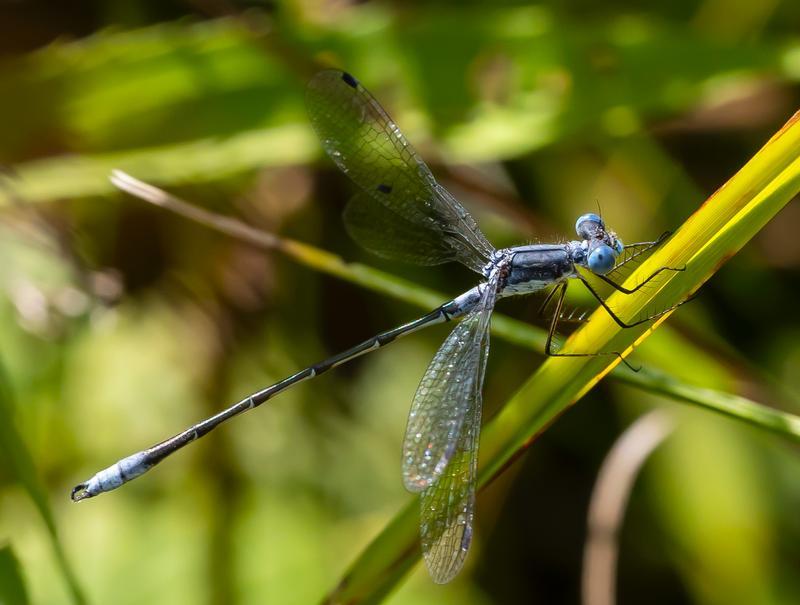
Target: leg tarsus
(624, 290)
(625, 361)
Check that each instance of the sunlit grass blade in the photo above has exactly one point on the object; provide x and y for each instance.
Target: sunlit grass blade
(18, 462)
(511, 330)
(716, 231)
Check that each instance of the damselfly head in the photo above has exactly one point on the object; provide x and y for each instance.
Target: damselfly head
(602, 245)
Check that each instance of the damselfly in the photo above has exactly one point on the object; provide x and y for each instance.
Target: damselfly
(403, 213)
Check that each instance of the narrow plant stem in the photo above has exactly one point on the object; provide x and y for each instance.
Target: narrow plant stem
(734, 406)
(609, 501)
(507, 328)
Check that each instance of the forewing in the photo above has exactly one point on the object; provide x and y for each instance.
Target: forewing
(447, 508)
(446, 394)
(386, 233)
(367, 145)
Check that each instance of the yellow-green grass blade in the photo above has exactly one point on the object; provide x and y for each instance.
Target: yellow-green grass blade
(716, 231)
(507, 328)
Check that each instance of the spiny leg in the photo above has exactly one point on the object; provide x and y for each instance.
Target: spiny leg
(616, 318)
(638, 287)
(548, 348)
(581, 318)
(547, 300)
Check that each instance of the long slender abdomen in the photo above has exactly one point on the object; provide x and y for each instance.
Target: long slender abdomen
(139, 463)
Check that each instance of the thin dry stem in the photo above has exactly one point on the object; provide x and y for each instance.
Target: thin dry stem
(610, 500)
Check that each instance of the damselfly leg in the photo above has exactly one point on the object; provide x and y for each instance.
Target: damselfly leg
(559, 292)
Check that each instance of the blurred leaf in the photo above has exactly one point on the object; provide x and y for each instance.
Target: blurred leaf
(12, 586)
(199, 161)
(205, 101)
(18, 460)
(533, 77)
(715, 232)
(16, 455)
(156, 86)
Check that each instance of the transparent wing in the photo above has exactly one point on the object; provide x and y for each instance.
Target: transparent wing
(367, 145)
(447, 508)
(447, 392)
(386, 233)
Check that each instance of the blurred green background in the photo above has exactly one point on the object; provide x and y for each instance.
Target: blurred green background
(120, 324)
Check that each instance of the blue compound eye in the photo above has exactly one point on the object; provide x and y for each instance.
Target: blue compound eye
(602, 259)
(587, 224)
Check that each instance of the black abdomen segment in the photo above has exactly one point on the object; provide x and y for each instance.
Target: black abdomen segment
(137, 464)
